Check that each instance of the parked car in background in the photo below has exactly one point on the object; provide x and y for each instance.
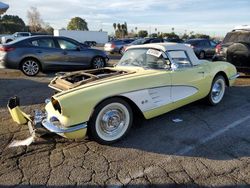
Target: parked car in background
(235, 48)
(116, 46)
(175, 40)
(203, 48)
(150, 80)
(9, 38)
(142, 41)
(41, 53)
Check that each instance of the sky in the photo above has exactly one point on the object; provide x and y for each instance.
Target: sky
(213, 17)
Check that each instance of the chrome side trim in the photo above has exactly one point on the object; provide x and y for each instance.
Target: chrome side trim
(234, 76)
(52, 128)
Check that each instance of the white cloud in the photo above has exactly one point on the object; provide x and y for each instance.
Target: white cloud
(194, 15)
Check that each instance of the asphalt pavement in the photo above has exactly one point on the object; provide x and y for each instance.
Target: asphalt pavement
(209, 147)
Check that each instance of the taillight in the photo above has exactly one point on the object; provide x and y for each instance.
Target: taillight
(218, 48)
(6, 49)
(112, 45)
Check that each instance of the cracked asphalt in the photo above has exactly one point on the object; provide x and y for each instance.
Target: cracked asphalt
(209, 148)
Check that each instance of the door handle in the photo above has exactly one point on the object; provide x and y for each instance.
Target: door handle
(201, 72)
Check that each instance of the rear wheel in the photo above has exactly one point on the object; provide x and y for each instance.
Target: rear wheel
(98, 62)
(110, 121)
(217, 91)
(30, 67)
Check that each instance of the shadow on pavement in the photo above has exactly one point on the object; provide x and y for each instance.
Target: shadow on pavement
(163, 136)
(29, 91)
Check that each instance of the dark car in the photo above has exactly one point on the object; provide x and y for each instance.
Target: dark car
(175, 40)
(203, 48)
(116, 46)
(41, 53)
(235, 48)
(143, 41)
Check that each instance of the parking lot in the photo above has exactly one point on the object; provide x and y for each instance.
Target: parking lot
(209, 147)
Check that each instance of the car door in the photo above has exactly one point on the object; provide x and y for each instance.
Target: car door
(155, 86)
(75, 56)
(44, 49)
(188, 80)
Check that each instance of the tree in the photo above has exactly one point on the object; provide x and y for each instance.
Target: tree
(170, 35)
(142, 33)
(34, 19)
(119, 26)
(48, 29)
(202, 36)
(136, 29)
(11, 24)
(153, 35)
(77, 23)
(121, 30)
(185, 36)
(114, 26)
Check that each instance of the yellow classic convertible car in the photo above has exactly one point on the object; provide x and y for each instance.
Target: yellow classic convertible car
(150, 79)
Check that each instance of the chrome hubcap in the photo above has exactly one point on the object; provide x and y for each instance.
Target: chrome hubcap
(98, 63)
(218, 90)
(112, 121)
(30, 67)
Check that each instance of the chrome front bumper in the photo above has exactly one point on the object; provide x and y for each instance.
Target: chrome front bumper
(55, 129)
(41, 124)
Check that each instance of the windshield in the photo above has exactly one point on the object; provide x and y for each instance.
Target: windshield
(138, 41)
(240, 36)
(146, 58)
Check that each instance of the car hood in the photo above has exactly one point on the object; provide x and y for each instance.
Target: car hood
(81, 79)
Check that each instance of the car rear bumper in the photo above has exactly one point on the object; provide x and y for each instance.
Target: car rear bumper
(217, 57)
(40, 124)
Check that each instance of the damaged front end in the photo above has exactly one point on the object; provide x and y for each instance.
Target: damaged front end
(21, 118)
(41, 123)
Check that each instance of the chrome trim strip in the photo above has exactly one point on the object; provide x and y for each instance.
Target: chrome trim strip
(234, 76)
(52, 128)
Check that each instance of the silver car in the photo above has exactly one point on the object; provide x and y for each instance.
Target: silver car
(116, 46)
(42, 53)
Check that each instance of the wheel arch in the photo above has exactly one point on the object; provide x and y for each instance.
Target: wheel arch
(222, 73)
(30, 57)
(135, 109)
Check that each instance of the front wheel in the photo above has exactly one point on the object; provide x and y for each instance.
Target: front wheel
(217, 91)
(30, 67)
(110, 121)
(98, 62)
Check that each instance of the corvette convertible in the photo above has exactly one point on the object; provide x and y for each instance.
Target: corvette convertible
(149, 79)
